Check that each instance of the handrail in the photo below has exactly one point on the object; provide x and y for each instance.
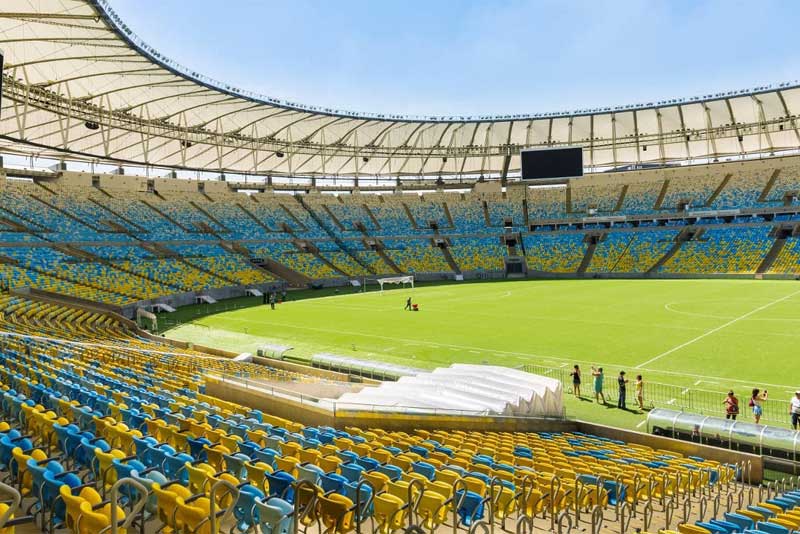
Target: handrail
(703, 508)
(669, 512)
(624, 517)
(564, 515)
(16, 499)
(212, 505)
(597, 519)
(555, 488)
(299, 513)
(141, 500)
(414, 500)
(458, 501)
(359, 508)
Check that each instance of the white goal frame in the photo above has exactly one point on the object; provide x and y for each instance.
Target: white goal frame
(396, 280)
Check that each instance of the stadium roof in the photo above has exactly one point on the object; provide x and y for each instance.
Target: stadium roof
(78, 83)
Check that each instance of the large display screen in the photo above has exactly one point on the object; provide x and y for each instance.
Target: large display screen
(539, 164)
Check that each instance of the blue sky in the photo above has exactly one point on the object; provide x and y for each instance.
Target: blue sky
(476, 57)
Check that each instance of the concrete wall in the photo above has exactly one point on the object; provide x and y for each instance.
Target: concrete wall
(123, 183)
(74, 180)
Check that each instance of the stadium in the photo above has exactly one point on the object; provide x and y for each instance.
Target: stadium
(222, 311)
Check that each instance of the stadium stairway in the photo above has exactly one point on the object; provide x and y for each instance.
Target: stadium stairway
(410, 216)
(447, 214)
(333, 217)
(69, 215)
(166, 216)
(621, 200)
(385, 257)
(680, 239)
(252, 216)
(587, 257)
(205, 212)
(118, 215)
(372, 218)
(768, 187)
(720, 188)
(332, 234)
(772, 255)
(661, 195)
(448, 257)
(486, 218)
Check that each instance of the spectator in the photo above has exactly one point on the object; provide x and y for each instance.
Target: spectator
(756, 403)
(640, 392)
(576, 380)
(622, 382)
(731, 406)
(794, 409)
(598, 384)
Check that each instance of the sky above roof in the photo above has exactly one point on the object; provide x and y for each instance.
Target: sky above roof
(463, 57)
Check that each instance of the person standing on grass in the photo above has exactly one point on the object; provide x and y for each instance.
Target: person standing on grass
(598, 376)
(731, 406)
(757, 403)
(640, 392)
(622, 382)
(794, 409)
(408, 304)
(576, 380)
(272, 299)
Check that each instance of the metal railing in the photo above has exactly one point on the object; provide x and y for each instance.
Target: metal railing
(659, 395)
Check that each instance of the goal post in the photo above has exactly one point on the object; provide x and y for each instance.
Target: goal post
(396, 280)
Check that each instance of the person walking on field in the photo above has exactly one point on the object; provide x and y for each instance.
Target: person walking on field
(272, 299)
(598, 376)
(640, 392)
(731, 406)
(408, 304)
(622, 382)
(576, 380)
(757, 403)
(794, 409)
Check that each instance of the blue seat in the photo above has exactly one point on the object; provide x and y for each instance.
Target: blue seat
(351, 471)
(392, 471)
(333, 482)
(244, 506)
(471, 508)
(771, 528)
(425, 469)
(369, 464)
(366, 508)
(274, 516)
(742, 521)
(280, 485)
(727, 525)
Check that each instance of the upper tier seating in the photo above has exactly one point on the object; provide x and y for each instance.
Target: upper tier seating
(558, 253)
(478, 254)
(416, 256)
(722, 250)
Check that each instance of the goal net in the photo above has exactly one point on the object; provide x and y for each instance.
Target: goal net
(396, 280)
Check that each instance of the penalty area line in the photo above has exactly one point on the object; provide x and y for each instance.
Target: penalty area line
(717, 329)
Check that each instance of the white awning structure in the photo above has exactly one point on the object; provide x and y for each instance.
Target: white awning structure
(462, 389)
(79, 83)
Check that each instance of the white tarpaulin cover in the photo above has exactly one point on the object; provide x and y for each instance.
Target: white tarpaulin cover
(462, 389)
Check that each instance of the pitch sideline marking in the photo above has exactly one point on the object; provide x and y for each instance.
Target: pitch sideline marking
(718, 328)
(519, 355)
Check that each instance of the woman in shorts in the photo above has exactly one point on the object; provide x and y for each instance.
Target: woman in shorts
(757, 403)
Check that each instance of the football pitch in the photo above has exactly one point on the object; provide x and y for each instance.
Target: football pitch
(712, 335)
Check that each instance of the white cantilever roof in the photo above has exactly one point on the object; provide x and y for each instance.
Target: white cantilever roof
(462, 389)
(79, 82)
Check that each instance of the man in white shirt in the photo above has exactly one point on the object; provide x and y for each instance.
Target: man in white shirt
(794, 409)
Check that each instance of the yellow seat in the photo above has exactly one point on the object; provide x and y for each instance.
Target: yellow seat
(336, 513)
(432, 510)
(94, 521)
(390, 513)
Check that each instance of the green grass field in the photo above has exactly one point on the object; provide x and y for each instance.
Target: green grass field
(705, 334)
